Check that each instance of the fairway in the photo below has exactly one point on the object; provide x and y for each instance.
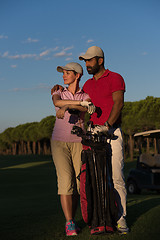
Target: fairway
(30, 208)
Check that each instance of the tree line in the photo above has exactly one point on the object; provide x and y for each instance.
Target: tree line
(28, 138)
(34, 138)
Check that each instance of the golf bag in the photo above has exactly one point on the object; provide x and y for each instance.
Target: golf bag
(97, 196)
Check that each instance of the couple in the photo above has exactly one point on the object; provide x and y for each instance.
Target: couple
(103, 97)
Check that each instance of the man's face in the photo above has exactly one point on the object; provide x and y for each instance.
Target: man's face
(92, 66)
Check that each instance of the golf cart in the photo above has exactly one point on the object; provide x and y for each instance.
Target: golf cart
(146, 175)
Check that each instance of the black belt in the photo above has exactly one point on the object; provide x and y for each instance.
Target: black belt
(115, 125)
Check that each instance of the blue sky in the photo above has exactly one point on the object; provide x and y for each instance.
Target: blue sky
(36, 36)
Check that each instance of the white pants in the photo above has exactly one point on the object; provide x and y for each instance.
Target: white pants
(117, 170)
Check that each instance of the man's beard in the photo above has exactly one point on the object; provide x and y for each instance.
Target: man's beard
(93, 70)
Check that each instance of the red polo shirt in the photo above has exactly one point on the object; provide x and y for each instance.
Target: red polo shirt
(100, 92)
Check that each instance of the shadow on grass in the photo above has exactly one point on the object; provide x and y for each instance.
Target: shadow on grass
(140, 205)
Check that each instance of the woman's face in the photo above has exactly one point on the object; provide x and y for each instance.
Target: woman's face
(68, 77)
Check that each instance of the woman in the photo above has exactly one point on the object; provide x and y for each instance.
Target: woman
(66, 147)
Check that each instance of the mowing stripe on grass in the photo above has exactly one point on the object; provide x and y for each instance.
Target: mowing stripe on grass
(26, 165)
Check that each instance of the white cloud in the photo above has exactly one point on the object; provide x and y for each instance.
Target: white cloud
(16, 89)
(144, 53)
(63, 53)
(26, 55)
(90, 40)
(5, 54)
(68, 48)
(30, 40)
(38, 56)
(23, 56)
(48, 51)
(60, 54)
(18, 56)
(41, 86)
(55, 49)
(13, 66)
(44, 53)
(3, 37)
(68, 59)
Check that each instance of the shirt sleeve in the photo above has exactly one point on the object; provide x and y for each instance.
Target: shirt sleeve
(117, 83)
(57, 93)
(85, 96)
(84, 88)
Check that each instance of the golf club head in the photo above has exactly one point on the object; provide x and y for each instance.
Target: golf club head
(77, 131)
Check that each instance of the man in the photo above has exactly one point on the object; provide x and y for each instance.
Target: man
(106, 90)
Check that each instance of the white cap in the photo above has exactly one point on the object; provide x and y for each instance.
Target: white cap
(72, 66)
(93, 51)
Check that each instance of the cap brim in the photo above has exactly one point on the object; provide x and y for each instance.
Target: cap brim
(81, 58)
(61, 68)
(85, 57)
(78, 70)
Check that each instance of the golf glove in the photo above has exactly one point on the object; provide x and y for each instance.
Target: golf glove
(89, 105)
(99, 128)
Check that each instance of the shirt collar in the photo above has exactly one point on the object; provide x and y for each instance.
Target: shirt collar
(79, 91)
(105, 74)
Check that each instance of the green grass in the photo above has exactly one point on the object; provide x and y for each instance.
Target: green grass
(30, 208)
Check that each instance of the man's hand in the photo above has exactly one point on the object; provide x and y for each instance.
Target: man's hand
(99, 128)
(56, 88)
(89, 105)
